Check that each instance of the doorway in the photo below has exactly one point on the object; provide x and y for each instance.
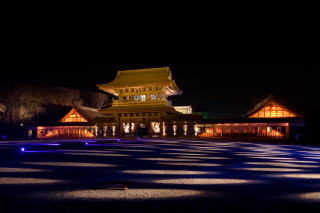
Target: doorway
(141, 130)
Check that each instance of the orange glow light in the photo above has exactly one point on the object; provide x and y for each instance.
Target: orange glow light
(273, 111)
(73, 116)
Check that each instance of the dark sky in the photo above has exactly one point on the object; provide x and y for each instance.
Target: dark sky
(226, 81)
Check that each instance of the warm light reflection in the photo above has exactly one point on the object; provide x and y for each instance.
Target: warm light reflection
(288, 160)
(268, 169)
(205, 181)
(299, 175)
(312, 196)
(313, 152)
(188, 164)
(12, 169)
(211, 149)
(70, 164)
(167, 159)
(188, 150)
(131, 150)
(167, 172)
(129, 194)
(296, 161)
(18, 180)
(282, 164)
(203, 157)
(313, 157)
(99, 154)
(183, 153)
(90, 151)
(136, 146)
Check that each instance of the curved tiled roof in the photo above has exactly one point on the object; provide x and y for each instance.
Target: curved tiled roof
(140, 77)
(271, 99)
(138, 108)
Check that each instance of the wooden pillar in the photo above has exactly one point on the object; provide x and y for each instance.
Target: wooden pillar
(105, 129)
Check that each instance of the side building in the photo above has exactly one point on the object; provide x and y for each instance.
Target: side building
(270, 118)
(73, 122)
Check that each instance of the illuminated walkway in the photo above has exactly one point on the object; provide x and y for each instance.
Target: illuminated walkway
(149, 176)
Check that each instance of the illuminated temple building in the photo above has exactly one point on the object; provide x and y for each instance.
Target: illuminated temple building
(140, 108)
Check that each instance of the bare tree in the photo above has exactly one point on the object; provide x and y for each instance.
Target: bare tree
(96, 100)
(64, 97)
(2, 111)
(2, 108)
(102, 100)
(20, 103)
(30, 105)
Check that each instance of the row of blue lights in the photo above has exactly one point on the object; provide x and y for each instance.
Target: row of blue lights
(86, 142)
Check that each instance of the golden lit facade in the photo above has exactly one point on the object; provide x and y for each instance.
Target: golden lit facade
(273, 110)
(277, 130)
(268, 119)
(45, 132)
(141, 104)
(72, 125)
(73, 116)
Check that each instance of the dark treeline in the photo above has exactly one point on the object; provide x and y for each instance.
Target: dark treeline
(22, 103)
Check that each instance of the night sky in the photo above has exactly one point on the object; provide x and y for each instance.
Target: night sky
(225, 81)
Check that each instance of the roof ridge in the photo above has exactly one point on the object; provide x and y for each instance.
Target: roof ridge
(146, 69)
(265, 101)
(141, 77)
(86, 108)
